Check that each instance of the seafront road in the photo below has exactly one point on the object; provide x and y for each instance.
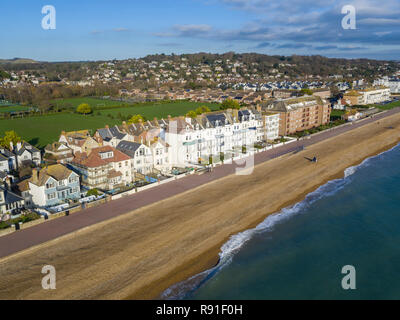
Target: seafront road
(49, 230)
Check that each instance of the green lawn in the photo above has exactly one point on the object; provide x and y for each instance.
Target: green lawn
(42, 130)
(389, 105)
(335, 114)
(159, 110)
(93, 102)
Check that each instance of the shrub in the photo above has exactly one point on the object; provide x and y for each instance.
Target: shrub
(93, 192)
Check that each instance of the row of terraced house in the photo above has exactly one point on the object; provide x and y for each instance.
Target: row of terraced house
(118, 156)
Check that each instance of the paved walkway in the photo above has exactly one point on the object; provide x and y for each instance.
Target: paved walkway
(24, 239)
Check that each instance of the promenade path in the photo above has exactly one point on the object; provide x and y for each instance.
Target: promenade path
(49, 230)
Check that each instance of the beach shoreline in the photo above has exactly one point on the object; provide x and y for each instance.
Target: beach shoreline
(216, 251)
(166, 258)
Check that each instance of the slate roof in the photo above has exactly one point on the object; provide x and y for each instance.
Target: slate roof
(108, 133)
(10, 197)
(6, 153)
(129, 148)
(217, 119)
(26, 146)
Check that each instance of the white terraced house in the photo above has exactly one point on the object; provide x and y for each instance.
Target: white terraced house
(140, 156)
(271, 125)
(194, 140)
(159, 150)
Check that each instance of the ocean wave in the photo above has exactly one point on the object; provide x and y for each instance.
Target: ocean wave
(236, 242)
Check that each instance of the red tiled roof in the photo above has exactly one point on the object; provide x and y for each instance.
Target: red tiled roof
(94, 160)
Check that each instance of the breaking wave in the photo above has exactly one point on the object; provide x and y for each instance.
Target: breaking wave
(236, 242)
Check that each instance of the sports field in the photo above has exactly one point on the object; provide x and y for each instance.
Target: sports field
(6, 106)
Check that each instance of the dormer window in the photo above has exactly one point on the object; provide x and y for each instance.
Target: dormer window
(106, 155)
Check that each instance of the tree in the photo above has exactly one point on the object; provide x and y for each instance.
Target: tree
(84, 108)
(307, 91)
(191, 114)
(9, 136)
(230, 104)
(136, 119)
(202, 109)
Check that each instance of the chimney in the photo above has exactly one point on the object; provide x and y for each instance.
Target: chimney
(11, 146)
(124, 127)
(169, 117)
(8, 183)
(236, 114)
(63, 133)
(107, 126)
(19, 146)
(35, 175)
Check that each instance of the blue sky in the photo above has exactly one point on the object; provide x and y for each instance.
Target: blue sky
(106, 29)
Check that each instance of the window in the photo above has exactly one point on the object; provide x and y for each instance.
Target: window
(50, 185)
(51, 196)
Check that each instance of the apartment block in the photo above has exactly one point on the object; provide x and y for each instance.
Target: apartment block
(299, 114)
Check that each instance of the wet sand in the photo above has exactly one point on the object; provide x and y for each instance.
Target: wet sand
(142, 253)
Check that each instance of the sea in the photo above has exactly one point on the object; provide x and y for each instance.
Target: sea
(305, 251)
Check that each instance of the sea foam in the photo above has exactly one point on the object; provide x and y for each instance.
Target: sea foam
(236, 242)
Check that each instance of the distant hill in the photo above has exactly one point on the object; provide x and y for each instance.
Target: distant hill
(17, 61)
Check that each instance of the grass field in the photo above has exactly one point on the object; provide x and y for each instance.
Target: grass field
(389, 106)
(42, 130)
(159, 110)
(93, 102)
(14, 108)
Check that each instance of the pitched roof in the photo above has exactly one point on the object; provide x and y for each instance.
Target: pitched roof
(128, 148)
(94, 160)
(57, 172)
(53, 147)
(108, 133)
(10, 197)
(25, 146)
